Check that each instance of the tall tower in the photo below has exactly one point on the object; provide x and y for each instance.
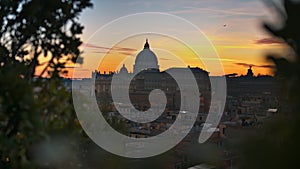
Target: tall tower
(250, 72)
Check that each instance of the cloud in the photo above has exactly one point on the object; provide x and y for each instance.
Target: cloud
(215, 59)
(244, 64)
(266, 66)
(102, 52)
(106, 50)
(165, 59)
(267, 41)
(124, 49)
(218, 11)
(253, 65)
(126, 53)
(88, 45)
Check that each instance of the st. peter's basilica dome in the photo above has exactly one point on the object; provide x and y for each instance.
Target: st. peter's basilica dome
(146, 59)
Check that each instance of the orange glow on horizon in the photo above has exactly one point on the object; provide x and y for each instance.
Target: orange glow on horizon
(171, 53)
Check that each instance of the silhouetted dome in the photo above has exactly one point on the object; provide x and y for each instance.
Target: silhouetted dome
(146, 59)
(123, 70)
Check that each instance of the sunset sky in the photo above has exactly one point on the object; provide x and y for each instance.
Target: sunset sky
(234, 27)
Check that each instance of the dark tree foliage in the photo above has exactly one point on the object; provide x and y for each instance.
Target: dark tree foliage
(32, 29)
(35, 34)
(277, 144)
(287, 70)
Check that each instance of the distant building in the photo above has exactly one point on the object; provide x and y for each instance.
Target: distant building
(250, 72)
